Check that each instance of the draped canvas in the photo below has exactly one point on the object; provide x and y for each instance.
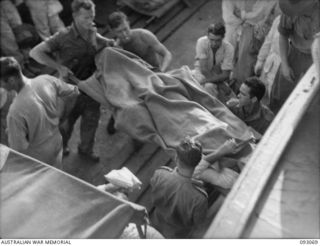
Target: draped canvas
(39, 201)
(160, 107)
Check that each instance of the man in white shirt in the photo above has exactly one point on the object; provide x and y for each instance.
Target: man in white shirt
(33, 117)
(214, 59)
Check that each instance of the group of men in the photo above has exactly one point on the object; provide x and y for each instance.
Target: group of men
(42, 116)
(65, 52)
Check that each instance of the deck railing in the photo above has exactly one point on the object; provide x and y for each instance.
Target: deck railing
(233, 218)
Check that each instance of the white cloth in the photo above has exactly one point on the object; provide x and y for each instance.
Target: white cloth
(269, 56)
(211, 173)
(45, 16)
(123, 178)
(236, 13)
(256, 12)
(232, 20)
(131, 232)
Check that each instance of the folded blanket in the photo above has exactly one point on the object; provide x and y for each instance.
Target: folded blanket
(160, 107)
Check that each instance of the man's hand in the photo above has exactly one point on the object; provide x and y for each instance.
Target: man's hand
(229, 147)
(287, 72)
(258, 68)
(64, 72)
(111, 43)
(233, 102)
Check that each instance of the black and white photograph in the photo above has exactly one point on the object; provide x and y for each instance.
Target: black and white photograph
(159, 119)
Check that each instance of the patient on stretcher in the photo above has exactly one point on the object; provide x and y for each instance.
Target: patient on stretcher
(161, 107)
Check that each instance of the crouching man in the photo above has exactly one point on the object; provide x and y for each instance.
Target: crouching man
(248, 106)
(180, 203)
(214, 62)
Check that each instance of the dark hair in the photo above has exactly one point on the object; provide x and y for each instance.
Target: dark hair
(76, 5)
(9, 67)
(217, 29)
(115, 19)
(257, 88)
(189, 152)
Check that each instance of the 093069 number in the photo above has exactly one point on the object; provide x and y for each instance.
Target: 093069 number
(305, 241)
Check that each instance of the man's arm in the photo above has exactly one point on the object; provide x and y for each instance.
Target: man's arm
(284, 52)
(160, 49)
(233, 105)
(266, 47)
(228, 147)
(285, 28)
(165, 54)
(106, 42)
(212, 78)
(64, 89)
(42, 54)
(216, 79)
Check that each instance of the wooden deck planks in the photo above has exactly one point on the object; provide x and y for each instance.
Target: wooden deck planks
(139, 160)
(183, 41)
(180, 19)
(113, 150)
(158, 24)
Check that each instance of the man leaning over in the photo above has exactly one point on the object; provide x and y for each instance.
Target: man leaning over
(72, 51)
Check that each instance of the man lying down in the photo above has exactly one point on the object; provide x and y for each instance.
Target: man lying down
(162, 108)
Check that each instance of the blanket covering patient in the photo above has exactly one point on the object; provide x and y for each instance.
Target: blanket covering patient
(161, 108)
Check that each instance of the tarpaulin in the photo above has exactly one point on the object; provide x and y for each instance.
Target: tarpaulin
(39, 201)
(162, 108)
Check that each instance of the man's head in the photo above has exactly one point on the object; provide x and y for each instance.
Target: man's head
(83, 12)
(10, 74)
(120, 26)
(189, 153)
(216, 34)
(252, 90)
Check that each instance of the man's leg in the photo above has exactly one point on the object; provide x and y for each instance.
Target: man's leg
(89, 124)
(39, 14)
(110, 126)
(10, 19)
(9, 46)
(231, 33)
(10, 13)
(66, 126)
